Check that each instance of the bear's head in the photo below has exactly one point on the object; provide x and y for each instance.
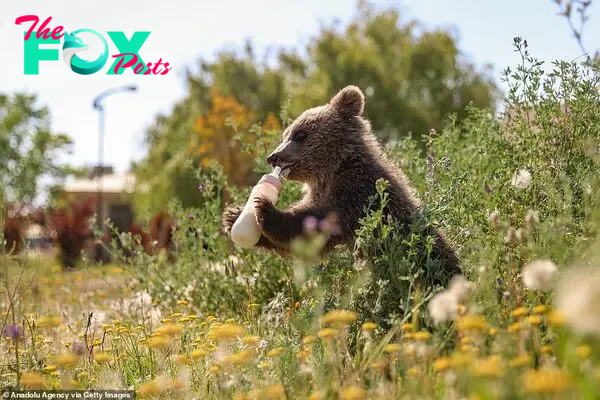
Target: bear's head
(321, 137)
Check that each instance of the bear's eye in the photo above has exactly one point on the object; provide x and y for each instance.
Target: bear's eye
(299, 136)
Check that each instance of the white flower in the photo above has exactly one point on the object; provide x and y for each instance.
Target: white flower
(577, 297)
(539, 275)
(460, 287)
(443, 307)
(521, 179)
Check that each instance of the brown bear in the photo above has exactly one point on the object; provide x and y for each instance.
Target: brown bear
(332, 150)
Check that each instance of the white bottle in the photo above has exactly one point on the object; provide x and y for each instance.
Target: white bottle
(245, 232)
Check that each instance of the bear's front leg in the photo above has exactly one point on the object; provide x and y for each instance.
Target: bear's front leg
(281, 227)
(230, 215)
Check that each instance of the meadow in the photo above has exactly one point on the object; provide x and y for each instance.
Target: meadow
(517, 194)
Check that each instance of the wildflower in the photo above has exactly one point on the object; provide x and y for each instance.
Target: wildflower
(521, 179)
(328, 333)
(275, 352)
(515, 327)
(379, 365)
(308, 339)
(158, 341)
(512, 236)
(303, 355)
(32, 380)
(541, 309)
(546, 381)
(148, 388)
(274, 391)
(538, 275)
(460, 359)
(318, 395)
(519, 312)
(250, 340)
(422, 335)
(353, 393)
(414, 371)
(546, 349)
(50, 368)
(198, 353)
(577, 297)
(471, 323)
(583, 351)
(520, 361)
(341, 317)
(490, 367)
(102, 358)
(534, 320)
(181, 359)
(460, 287)
(532, 218)
(492, 331)
(443, 307)
(407, 327)
(214, 369)
(442, 364)
(556, 318)
(227, 331)
(66, 360)
(13, 331)
(494, 219)
(243, 357)
(369, 326)
(310, 224)
(392, 348)
(230, 321)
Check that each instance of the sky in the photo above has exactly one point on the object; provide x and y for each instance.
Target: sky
(183, 31)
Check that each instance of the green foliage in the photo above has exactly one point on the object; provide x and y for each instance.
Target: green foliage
(28, 148)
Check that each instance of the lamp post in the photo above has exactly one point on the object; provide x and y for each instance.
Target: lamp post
(97, 104)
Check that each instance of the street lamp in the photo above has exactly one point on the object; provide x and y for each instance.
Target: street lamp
(97, 104)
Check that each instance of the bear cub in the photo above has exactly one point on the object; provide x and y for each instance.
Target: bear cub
(332, 150)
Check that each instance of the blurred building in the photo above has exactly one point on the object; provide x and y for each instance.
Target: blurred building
(117, 194)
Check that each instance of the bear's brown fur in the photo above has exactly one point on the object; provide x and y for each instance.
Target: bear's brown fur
(332, 150)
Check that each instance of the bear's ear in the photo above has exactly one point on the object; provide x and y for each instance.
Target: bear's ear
(349, 101)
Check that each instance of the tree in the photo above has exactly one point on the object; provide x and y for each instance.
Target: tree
(29, 149)
(414, 80)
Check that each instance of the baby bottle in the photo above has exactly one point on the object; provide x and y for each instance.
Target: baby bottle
(245, 231)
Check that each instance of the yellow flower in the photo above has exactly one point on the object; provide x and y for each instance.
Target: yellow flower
(182, 302)
(66, 360)
(274, 392)
(176, 315)
(250, 340)
(471, 323)
(341, 317)
(308, 339)
(253, 306)
(369, 326)
(158, 341)
(353, 393)
(422, 335)
(198, 353)
(541, 309)
(275, 352)
(442, 364)
(392, 348)
(241, 358)
(303, 355)
(214, 369)
(546, 381)
(515, 327)
(166, 321)
(546, 349)
(226, 331)
(211, 318)
(520, 361)
(50, 368)
(408, 336)
(556, 318)
(519, 312)
(534, 320)
(407, 327)
(328, 333)
(170, 329)
(583, 351)
(490, 367)
(465, 340)
(492, 331)
(148, 388)
(318, 395)
(181, 359)
(32, 380)
(230, 321)
(102, 358)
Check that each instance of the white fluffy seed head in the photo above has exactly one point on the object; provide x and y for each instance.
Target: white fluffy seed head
(539, 275)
